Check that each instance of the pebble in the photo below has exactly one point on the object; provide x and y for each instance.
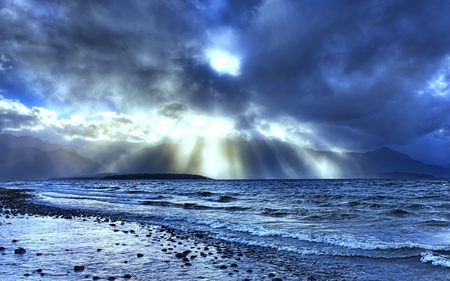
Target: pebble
(214, 250)
(20, 251)
(180, 255)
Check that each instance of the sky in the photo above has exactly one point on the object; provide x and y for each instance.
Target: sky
(329, 75)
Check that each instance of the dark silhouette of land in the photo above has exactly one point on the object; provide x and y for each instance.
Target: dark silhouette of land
(155, 177)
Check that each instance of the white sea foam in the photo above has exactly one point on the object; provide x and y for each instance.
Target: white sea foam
(341, 240)
(435, 259)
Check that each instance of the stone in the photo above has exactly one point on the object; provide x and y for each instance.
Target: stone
(78, 268)
(127, 276)
(2, 248)
(111, 278)
(277, 279)
(180, 255)
(139, 255)
(271, 275)
(20, 251)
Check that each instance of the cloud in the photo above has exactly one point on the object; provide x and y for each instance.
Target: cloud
(14, 116)
(172, 122)
(327, 74)
(352, 69)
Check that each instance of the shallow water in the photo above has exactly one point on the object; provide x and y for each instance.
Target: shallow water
(380, 229)
(55, 246)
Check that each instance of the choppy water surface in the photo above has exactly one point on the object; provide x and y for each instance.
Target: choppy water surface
(390, 223)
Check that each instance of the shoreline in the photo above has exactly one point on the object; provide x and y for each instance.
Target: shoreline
(74, 244)
(91, 246)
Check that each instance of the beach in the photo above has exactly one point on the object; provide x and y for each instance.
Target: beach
(42, 242)
(225, 230)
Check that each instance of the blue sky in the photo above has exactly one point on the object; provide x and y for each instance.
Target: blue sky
(329, 75)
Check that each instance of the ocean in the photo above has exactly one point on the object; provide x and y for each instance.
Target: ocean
(361, 229)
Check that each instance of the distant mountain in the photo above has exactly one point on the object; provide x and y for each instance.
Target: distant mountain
(10, 141)
(233, 159)
(108, 153)
(386, 160)
(274, 159)
(20, 160)
(31, 158)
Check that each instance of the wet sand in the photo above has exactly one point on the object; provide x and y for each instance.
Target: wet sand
(43, 242)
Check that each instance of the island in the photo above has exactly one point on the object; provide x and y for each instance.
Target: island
(161, 176)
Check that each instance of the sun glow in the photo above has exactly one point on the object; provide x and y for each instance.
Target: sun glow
(223, 62)
(193, 141)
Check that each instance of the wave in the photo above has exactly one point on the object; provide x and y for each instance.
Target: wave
(343, 241)
(435, 259)
(194, 206)
(275, 212)
(437, 223)
(399, 212)
(220, 198)
(315, 251)
(206, 193)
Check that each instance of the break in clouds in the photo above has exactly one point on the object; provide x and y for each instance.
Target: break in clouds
(349, 75)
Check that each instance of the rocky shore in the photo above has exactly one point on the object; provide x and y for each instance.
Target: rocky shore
(39, 241)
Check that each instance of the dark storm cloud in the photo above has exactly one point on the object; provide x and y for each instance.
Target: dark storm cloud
(353, 67)
(115, 55)
(362, 73)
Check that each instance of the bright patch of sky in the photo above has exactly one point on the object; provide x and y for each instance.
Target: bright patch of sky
(223, 62)
(439, 85)
(152, 127)
(222, 52)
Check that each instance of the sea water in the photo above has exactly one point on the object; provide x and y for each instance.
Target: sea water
(386, 229)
